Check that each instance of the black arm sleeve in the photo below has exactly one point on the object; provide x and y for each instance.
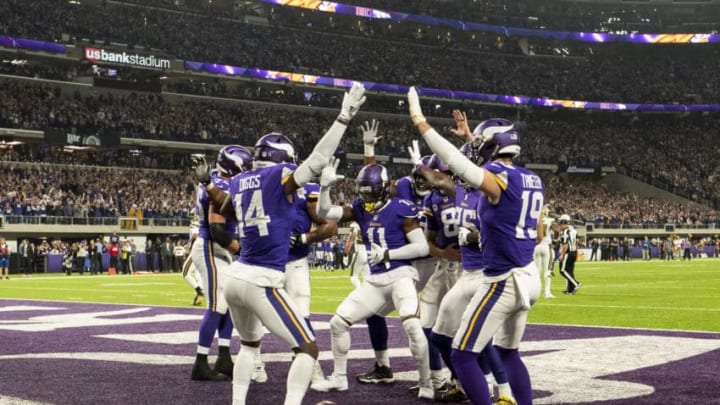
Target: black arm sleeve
(218, 234)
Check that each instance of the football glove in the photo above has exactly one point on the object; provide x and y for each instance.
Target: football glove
(328, 175)
(376, 254)
(297, 239)
(414, 107)
(369, 132)
(201, 168)
(352, 100)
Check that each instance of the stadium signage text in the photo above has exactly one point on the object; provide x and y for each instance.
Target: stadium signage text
(124, 58)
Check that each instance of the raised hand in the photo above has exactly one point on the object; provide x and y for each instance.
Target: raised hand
(414, 152)
(352, 100)
(329, 175)
(463, 128)
(201, 168)
(414, 106)
(369, 132)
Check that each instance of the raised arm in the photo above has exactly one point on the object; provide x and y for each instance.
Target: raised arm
(475, 176)
(325, 207)
(369, 132)
(326, 146)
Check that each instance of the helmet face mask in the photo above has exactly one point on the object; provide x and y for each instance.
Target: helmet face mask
(233, 159)
(373, 186)
(273, 148)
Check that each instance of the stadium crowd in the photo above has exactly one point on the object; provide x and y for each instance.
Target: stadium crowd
(566, 139)
(316, 43)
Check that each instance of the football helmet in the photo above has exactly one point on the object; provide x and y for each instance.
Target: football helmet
(373, 186)
(485, 130)
(437, 164)
(273, 148)
(419, 184)
(503, 143)
(233, 159)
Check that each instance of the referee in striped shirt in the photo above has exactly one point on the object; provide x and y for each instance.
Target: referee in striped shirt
(568, 254)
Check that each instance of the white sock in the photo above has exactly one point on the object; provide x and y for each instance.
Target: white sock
(242, 373)
(382, 357)
(548, 281)
(298, 378)
(504, 390)
(419, 349)
(340, 332)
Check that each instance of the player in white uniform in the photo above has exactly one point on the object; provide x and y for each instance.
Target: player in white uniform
(544, 253)
(190, 272)
(393, 237)
(359, 268)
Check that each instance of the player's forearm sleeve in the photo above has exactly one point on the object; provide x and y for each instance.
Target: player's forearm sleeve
(458, 163)
(325, 148)
(418, 247)
(325, 207)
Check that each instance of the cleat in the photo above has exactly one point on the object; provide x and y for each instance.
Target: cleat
(505, 400)
(426, 393)
(197, 301)
(549, 296)
(259, 375)
(332, 383)
(224, 363)
(577, 288)
(318, 374)
(452, 395)
(378, 375)
(201, 372)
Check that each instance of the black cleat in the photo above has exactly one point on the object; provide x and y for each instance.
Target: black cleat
(224, 363)
(451, 395)
(201, 372)
(378, 375)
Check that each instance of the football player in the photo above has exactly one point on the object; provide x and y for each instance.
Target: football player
(262, 202)
(412, 188)
(212, 254)
(509, 210)
(544, 252)
(392, 236)
(190, 272)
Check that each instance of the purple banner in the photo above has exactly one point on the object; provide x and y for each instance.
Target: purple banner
(446, 94)
(31, 44)
(331, 7)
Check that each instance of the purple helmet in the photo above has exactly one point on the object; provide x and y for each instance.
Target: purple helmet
(273, 148)
(373, 186)
(504, 143)
(437, 164)
(488, 128)
(419, 184)
(471, 150)
(233, 159)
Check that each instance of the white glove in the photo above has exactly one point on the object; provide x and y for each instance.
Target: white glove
(329, 175)
(352, 100)
(376, 254)
(369, 132)
(414, 106)
(463, 235)
(201, 168)
(355, 280)
(414, 152)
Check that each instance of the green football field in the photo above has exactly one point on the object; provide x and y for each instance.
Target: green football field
(658, 295)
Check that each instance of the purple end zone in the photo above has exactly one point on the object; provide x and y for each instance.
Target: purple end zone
(72, 353)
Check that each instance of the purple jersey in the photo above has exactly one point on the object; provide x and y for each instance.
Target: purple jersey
(303, 223)
(509, 228)
(404, 189)
(265, 216)
(202, 207)
(385, 228)
(441, 217)
(466, 202)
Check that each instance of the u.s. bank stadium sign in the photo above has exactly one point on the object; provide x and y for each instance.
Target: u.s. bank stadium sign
(100, 55)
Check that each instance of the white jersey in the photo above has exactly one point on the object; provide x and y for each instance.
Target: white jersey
(547, 239)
